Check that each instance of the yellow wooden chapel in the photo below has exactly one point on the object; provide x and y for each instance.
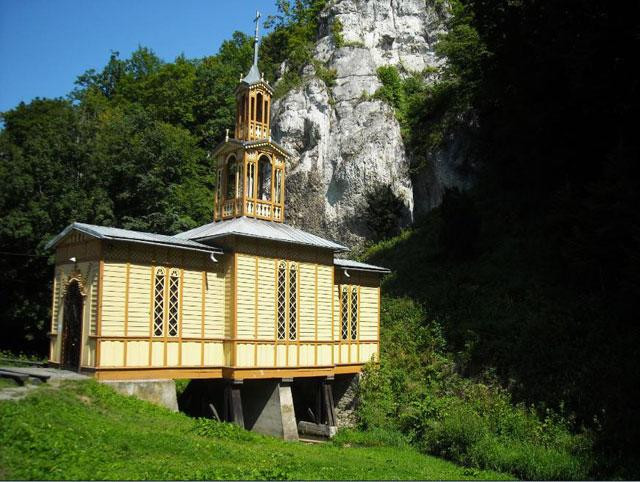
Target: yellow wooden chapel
(244, 297)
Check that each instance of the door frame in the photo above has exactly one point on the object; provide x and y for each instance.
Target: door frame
(79, 282)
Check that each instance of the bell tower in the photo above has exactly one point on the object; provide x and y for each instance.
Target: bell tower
(250, 177)
(253, 101)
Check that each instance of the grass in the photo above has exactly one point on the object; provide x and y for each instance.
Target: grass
(85, 430)
(7, 383)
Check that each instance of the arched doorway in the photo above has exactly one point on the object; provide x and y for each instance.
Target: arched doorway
(72, 327)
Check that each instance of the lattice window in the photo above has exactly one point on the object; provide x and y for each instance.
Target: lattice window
(344, 312)
(293, 302)
(282, 300)
(354, 312)
(174, 302)
(158, 302)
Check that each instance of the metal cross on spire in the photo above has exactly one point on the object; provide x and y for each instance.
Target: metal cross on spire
(256, 40)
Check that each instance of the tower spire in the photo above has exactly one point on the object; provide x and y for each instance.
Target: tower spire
(256, 40)
(254, 74)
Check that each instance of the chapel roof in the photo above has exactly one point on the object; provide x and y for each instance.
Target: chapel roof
(261, 229)
(117, 234)
(358, 266)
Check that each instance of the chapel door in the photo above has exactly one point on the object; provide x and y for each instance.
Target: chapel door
(72, 327)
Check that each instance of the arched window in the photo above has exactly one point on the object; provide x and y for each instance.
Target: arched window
(266, 112)
(259, 103)
(264, 178)
(174, 302)
(287, 301)
(251, 175)
(253, 110)
(344, 312)
(232, 181)
(219, 186)
(158, 302)
(293, 301)
(282, 300)
(278, 186)
(354, 312)
(166, 302)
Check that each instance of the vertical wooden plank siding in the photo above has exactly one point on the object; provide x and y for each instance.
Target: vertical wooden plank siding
(100, 303)
(165, 312)
(275, 314)
(234, 313)
(358, 322)
(315, 293)
(378, 334)
(181, 291)
(151, 310)
(333, 336)
(126, 312)
(202, 313)
(286, 311)
(298, 317)
(340, 323)
(255, 321)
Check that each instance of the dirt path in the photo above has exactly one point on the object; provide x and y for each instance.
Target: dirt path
(17, 392)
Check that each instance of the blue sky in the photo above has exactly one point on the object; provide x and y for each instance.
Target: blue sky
(46, 44)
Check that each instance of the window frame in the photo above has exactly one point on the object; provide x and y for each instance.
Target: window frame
(349, 299)
(166, 312)
(287, 309)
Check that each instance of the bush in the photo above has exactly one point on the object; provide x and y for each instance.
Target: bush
(415, 395)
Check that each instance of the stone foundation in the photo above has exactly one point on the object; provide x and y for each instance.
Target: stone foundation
(160, 392)
(345, 395)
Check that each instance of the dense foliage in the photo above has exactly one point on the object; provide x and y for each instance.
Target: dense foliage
(92, 433)
(128, 148)
(534, 273)
(416, 391)
(545, 286)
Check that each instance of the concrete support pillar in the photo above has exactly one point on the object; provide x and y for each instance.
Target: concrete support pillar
(268, 408)
(288, 414)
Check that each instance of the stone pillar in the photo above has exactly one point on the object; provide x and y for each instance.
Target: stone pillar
(160, 392)
(345, 392)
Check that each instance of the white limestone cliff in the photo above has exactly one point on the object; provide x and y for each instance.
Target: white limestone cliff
(344, 142)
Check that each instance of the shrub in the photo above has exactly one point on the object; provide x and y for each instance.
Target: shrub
(416, 395)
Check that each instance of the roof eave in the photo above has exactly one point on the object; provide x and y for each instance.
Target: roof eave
(90, 232)
(337, 249)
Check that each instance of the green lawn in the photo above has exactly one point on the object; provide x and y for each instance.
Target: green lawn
(85, 430)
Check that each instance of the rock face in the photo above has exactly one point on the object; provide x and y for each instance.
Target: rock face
(346, 143)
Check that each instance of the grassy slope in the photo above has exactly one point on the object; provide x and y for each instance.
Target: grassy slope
(86, 431)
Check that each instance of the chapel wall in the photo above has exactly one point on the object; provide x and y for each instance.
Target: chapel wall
(257, 340)
(128, 336)
(365, 346)
(85, 270)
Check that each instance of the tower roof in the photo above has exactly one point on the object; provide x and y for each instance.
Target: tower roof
(254, 76)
